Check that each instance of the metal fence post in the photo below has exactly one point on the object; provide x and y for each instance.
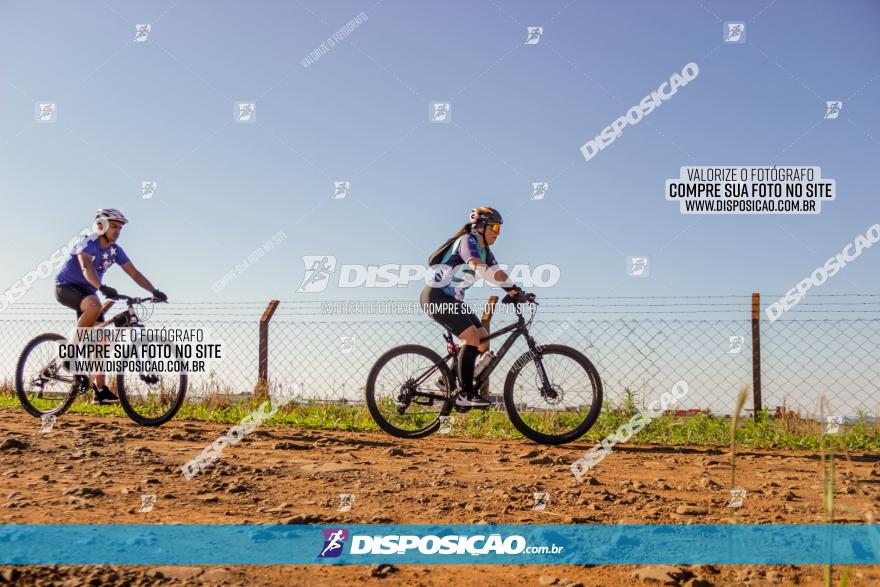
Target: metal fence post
(263, 351)
(756, 353)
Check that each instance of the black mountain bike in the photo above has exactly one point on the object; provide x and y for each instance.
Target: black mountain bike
(552, 394)
(46, 387)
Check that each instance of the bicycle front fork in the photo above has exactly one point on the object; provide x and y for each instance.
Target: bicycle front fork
(546, 387)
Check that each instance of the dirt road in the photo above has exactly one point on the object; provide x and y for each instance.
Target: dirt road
(95, 470)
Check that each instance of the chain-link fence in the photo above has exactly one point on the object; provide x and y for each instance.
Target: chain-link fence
(827, 345)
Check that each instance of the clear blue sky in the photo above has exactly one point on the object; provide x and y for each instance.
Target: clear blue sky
(163, 110)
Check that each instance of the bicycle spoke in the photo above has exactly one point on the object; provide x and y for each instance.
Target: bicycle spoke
(400, 401)
(45, 384)
(559, 408)
(151, 395)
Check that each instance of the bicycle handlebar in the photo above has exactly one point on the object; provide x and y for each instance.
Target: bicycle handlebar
(130, 300)
(522, 298)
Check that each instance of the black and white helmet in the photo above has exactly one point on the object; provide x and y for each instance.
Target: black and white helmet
(485, 214)
(110, 214)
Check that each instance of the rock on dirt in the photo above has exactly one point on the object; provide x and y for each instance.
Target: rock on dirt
(382, 570)
(178, 573)
(85, 453)
(709, 483)
(87, 492)
(216, 577)
(10, 575)
(663, 574)
(284, 445)
(12, 444)
(692, 510)
(302, 519)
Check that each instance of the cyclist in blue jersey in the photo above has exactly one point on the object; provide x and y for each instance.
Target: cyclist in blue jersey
(79, 280)
(467, 258)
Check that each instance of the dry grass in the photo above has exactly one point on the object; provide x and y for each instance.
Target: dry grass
(740, 402)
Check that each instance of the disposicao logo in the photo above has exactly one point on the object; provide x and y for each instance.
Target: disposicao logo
(334, 540)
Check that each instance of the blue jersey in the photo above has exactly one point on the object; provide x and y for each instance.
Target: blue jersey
(459, 275)
(104, 258)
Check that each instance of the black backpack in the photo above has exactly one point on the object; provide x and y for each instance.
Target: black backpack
(437, 256)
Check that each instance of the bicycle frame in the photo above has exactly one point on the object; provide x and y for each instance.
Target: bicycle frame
(125, 319)
(519, 328)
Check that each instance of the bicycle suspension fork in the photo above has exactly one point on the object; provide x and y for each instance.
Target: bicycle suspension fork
(535, 350)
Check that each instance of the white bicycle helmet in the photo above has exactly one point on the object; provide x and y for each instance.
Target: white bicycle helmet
(111, 214)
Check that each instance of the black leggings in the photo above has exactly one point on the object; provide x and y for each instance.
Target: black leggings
(447, 311)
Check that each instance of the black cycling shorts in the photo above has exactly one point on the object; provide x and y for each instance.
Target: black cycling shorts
(447, 311)
(72, 295)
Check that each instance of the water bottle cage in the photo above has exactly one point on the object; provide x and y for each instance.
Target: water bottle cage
(486, 360)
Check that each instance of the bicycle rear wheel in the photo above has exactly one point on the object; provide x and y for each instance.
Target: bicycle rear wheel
(398, 387)
(573, 404)
(43, 386)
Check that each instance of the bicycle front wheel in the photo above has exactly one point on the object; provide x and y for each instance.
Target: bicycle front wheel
(564, 407)
(151, 399)
(42, 383)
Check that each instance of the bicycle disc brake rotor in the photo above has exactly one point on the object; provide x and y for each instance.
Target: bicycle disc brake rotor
(554, 396)
(151, 379)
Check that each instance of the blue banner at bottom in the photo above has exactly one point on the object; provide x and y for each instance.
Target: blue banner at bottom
(210, 544)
